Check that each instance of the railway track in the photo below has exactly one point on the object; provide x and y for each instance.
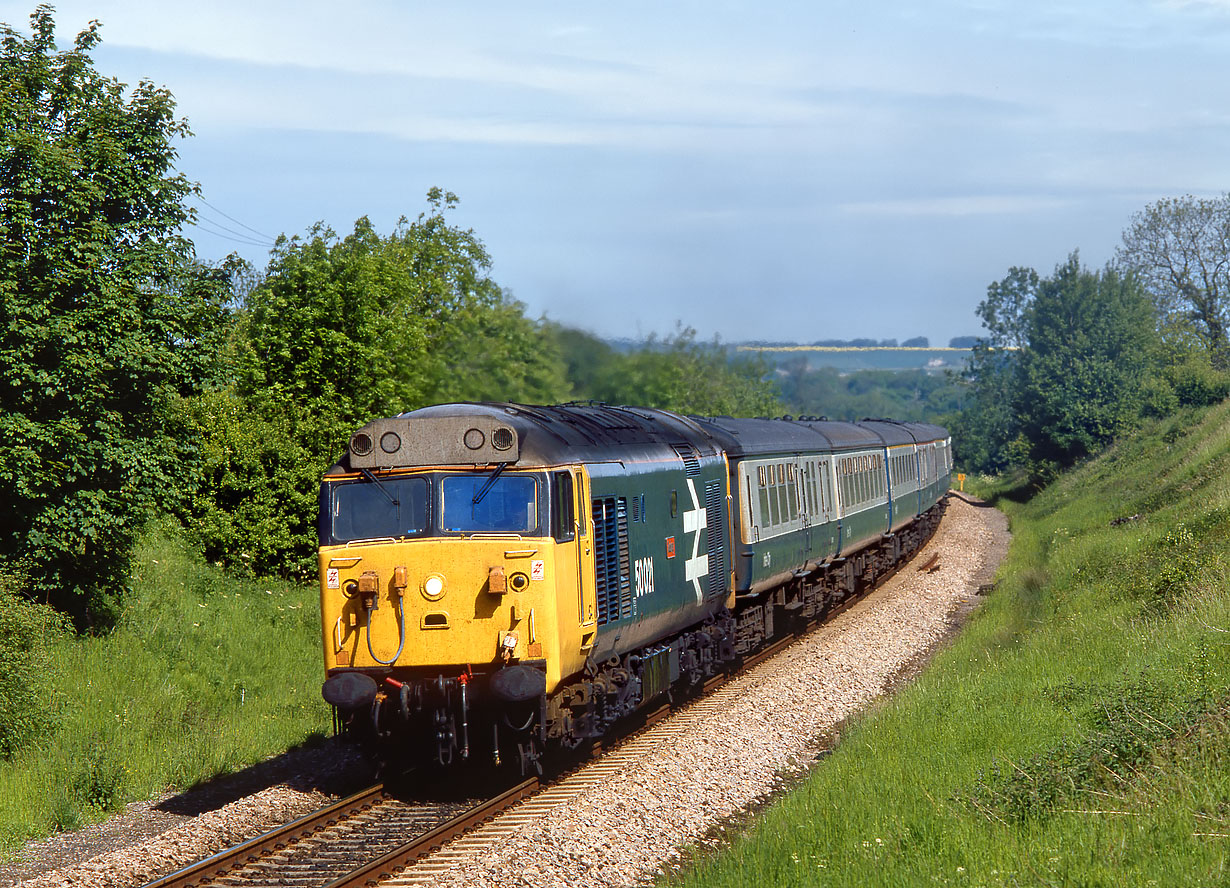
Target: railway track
(372, 837)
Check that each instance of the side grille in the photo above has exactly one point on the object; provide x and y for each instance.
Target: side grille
(715, 531)
(612, 564)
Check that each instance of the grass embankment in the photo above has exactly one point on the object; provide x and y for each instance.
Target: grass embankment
(204, 675)
(1077, 733)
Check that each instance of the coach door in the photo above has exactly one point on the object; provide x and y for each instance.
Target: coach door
(802, 487)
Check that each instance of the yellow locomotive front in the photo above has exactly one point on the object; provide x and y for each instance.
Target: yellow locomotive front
(450, 585)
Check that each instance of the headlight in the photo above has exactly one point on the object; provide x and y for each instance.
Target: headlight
(433, 587)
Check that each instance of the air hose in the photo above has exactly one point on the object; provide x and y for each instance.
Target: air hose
(401, 634)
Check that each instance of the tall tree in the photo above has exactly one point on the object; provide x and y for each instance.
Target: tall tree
(104, 316)
(985, 430)
(1180, 249)
(341, 330)
(1092, 346)
(366, 325)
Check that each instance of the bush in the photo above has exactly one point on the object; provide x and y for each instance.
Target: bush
(1197, 383)
(26, 699)
(254, 508)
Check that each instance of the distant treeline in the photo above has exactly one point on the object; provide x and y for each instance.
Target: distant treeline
(916, 342)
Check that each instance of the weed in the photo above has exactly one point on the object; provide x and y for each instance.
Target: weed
(65, 813)
(26, 631)
(99, 782)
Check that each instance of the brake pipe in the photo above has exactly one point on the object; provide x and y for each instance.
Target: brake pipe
(401, 634)
(463, 680)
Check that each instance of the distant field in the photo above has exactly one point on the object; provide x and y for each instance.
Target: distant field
(852, 358)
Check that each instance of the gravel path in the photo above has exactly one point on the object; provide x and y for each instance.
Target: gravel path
(624, 832)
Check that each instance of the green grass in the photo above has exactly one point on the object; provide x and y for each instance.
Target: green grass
(1078, 731)
(205, 675)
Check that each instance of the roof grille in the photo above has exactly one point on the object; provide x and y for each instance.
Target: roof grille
(691, 463)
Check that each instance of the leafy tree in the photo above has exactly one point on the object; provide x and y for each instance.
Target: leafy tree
(588, 361)
(983, 430)
(337, 332)
(1005, 311)
(1180, 249)
(255, 485)
(366, 325)
(1070, 361)
(1092, 347)
(104, 316)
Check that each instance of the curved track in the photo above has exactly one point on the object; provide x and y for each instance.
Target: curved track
(372, 837)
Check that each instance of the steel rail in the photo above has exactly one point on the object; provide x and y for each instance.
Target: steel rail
(278, 838)
(388, 865)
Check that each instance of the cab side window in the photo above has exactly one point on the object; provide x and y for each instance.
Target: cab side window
(563, 516)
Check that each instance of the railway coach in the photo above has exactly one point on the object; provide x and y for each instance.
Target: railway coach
(506, 578)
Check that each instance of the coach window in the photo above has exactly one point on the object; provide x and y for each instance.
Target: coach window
(792, 492)
(775, 514)
(783, 501)
(563, 516)
(764, 502)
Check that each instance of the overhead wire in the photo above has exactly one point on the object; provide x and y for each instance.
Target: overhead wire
(226, 233)
(236, 221)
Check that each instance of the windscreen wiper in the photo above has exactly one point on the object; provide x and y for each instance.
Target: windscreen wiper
(367, 473)
(478, 497)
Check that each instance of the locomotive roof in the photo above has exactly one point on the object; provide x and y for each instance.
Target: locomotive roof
(466, 434)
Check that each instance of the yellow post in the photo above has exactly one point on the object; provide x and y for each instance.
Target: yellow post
(961, 481)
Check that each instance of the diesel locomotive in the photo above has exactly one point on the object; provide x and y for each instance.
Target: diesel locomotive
(500, 579)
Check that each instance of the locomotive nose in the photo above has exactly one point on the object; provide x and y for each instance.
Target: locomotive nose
(454, 601)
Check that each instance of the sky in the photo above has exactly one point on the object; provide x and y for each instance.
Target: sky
(789, 171)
